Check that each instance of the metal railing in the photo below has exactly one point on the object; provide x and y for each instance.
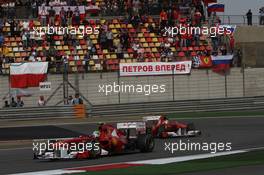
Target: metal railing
(37, 112)
(238, 19)
(209, 105)
(134, 109)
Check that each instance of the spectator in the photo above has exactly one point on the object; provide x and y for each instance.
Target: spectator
(215, 43)
(70, 100)
(103, 39)
(6, 105)
(34, 9)
(87, 58)
(69, 16)
(261, 14)
(163, 19)
(12, 27)
(43, 16)
(223, 50)
(1, 64)
(41, 101)
(63, 19)
(249, 17)
(52, 14)
(232, 44)
(109, 36)
(20, 102)
(136, 5)
(119, 51)
(77, 100)
(76, 20)
(25, 37)
(2, 39)
(13, 102)
(198, 18)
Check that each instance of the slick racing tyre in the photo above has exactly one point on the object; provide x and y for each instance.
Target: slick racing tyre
(145, 143)
(160, 131)
(190, 127)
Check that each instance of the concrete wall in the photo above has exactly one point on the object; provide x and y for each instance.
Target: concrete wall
(201, 84)
(250, 40)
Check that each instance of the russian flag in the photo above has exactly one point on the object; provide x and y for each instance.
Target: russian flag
(216, 7)
(24, 75)
(206, 2)
(222, 63)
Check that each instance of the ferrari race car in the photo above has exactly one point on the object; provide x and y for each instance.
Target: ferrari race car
(160, 126)
(108, 140)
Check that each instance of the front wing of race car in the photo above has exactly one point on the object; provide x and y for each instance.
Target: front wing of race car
(65, 154)
(191, 133)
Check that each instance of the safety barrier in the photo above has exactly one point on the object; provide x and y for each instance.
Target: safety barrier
(133, 109)
(211, 105)
(78, 111)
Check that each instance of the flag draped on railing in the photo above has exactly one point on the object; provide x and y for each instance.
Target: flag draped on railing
(24, 75)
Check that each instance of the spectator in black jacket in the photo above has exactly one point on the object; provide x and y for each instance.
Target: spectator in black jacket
(249, 17)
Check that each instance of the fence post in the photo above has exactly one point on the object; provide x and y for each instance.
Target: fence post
(118, 82)
(244, 85)
(173, 85)
(225, 85)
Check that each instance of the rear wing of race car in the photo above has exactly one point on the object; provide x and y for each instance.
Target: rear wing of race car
(151, 118)
(131, 125)
(133, 128)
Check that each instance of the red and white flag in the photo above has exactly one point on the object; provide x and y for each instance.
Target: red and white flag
(24, 75)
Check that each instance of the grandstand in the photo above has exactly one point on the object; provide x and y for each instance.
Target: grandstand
(136, 38)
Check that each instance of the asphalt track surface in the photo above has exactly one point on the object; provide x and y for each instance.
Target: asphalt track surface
(243, 133)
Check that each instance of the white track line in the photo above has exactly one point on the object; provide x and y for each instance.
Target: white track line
(52, 172)
(147, 162)
(186, 158)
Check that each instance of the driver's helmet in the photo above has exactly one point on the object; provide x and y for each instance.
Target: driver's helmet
(163, 118)
(100, 126)
(96, 134)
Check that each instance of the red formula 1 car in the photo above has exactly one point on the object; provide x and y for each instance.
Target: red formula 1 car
(160, 126)
(108, 140)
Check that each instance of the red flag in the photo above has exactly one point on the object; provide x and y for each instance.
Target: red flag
(206, 2)
(221, 68)
(24, 75)
(205, 62)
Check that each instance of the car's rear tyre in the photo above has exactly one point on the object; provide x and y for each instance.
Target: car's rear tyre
(190, 127)
(160, 131)
(95, 152)
(145, 143)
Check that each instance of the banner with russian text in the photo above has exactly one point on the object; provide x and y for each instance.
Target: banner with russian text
(155, 68)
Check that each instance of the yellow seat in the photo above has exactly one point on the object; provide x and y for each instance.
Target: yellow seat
(154, 49)
(145, 44)
(111, 26)
(113, 56)
(105, 51)
(65, 47)
(154, 40)
(140, 35)
(142, 40)
(17, 54)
